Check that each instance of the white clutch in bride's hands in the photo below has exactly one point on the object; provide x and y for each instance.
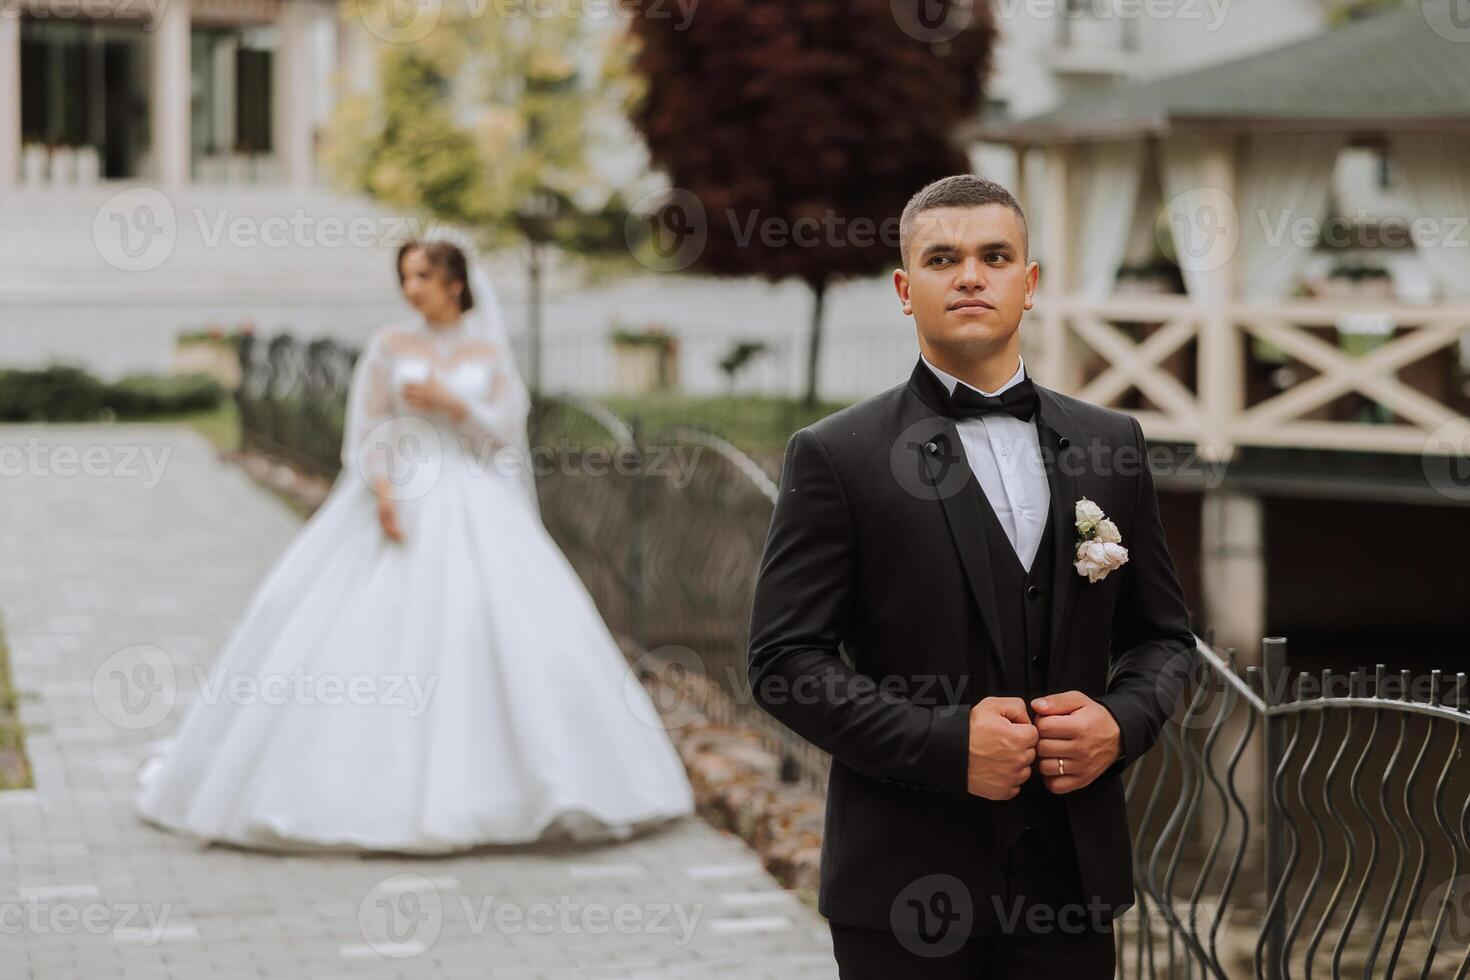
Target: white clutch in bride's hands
(412, 372)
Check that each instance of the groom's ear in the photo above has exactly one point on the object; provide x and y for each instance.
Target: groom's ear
(901, 286)
(1033, 274)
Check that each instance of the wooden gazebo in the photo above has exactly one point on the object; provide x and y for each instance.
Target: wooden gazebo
(1227, 172)
(1234, 162)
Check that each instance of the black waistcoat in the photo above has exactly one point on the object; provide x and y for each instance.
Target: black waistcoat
(1023, 599)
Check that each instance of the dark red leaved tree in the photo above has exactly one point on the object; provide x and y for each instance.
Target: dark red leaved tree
(773, 111)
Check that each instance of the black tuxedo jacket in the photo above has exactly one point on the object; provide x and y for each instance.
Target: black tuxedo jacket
(873, 632)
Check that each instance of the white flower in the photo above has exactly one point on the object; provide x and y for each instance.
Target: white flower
(1099, 547)
(1096, 559)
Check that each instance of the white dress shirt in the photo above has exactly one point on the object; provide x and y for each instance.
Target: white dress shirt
(1004, 453)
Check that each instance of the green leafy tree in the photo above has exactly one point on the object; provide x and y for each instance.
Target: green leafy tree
(482, 123)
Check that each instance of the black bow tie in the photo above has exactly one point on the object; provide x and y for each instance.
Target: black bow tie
(1019, 400)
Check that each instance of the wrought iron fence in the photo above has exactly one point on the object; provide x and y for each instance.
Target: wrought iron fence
(1297, 825)
(292, 399)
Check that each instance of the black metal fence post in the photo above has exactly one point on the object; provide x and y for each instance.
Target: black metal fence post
(637, 535)
(1277, 680)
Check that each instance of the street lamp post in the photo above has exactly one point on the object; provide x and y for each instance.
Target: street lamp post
(535, 216)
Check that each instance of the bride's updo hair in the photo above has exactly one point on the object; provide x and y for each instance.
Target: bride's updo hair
(447, 259)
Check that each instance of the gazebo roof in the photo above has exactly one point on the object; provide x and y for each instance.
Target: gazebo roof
(1390, 73)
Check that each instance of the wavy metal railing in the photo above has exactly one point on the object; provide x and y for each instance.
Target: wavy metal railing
(1256, 850)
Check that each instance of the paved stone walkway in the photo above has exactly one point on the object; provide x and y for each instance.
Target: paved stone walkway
(114, 538)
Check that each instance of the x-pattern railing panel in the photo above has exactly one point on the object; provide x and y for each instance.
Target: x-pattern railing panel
(1371, 374)
(1182, 413)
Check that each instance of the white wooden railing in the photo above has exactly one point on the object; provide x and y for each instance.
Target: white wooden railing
(1099, 350)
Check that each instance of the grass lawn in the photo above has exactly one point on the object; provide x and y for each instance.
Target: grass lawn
(759, 425)
(755, 424)
(221, 425)
(15, 768)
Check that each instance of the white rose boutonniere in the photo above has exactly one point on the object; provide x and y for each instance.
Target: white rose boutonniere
(1099, 545)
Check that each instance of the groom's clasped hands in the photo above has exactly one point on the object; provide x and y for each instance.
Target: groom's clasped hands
(1072, 741)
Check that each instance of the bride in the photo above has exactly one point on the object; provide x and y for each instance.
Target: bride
(422, 670)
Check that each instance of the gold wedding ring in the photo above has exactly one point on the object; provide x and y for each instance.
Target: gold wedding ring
(1061, 768)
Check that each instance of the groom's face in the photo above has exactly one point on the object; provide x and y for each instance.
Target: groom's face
(967, 280)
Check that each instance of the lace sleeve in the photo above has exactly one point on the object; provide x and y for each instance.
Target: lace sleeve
(498, 417)
(499, 412)
(366, 442)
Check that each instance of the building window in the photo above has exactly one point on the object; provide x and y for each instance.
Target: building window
(83, 99)
(233, 104)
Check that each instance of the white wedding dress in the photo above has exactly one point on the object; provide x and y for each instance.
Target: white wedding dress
(491, 704)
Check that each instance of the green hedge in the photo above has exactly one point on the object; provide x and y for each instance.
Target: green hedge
(149, 394)
(68, 394)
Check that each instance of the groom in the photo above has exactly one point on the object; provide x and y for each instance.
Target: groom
(981, 649)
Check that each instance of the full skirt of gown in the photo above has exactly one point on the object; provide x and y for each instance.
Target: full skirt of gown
(455, 689)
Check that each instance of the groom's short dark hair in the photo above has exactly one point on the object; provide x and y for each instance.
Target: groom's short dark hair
(958, 191)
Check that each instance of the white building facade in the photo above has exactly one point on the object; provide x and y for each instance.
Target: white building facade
(168, 91)
(159, 174)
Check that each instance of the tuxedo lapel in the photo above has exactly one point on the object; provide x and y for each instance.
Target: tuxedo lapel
(967, 526)
(1062, 450)
(960, 495)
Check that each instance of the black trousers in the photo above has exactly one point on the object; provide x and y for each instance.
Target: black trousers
(1045, 926)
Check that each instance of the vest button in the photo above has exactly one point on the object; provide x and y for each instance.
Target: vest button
(1036, 660)
(931, 448)
(1032, 592)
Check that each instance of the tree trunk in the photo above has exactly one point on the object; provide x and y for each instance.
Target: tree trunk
(533, 315)
(814, 341)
